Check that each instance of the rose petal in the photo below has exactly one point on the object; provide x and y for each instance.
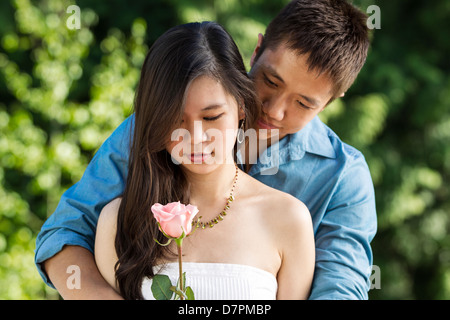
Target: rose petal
(160, 213)
(173, 227)
(175, 217)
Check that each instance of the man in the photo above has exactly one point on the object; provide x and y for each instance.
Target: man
(310, 55)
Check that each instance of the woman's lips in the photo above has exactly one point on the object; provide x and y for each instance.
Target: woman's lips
(264, 125)
(199, 157)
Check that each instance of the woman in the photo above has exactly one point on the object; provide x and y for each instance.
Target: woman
(194, 79)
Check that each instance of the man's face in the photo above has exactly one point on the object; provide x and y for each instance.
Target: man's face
(291, 95)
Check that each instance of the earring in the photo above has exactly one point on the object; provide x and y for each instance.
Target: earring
(240, 135)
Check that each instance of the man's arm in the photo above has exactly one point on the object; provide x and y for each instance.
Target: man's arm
(75, 219)
(75, 275)
(343, 252)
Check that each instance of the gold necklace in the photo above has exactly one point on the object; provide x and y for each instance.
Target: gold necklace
(211, 223)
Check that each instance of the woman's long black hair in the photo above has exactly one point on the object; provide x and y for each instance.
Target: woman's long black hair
(179, 56)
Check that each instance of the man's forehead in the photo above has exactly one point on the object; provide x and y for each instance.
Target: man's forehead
(292, 69)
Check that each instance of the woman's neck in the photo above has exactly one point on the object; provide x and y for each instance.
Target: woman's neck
(210, 188)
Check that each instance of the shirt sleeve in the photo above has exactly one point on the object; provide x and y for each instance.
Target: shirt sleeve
(74, 221)
(343, 252)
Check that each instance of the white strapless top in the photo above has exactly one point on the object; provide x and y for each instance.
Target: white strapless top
(220, 281)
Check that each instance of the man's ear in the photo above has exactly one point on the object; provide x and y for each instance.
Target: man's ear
(258, 46)
(342, 94)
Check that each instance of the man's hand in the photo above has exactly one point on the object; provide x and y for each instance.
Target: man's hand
(85, 281)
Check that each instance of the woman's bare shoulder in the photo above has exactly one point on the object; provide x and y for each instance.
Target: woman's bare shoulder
(287, 210)
(276, 203)
(108, 215)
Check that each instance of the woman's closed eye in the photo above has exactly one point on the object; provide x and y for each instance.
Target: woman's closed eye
(213, 118)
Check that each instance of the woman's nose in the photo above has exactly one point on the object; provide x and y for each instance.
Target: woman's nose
(197, 132)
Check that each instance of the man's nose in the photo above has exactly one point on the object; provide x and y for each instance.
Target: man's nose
(275, 108)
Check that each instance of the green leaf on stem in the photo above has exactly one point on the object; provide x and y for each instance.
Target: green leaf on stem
(163, 244)
(178, 293)
(189, 294)
(161, 287)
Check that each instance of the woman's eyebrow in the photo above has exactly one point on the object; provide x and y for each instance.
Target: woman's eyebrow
(214, 106)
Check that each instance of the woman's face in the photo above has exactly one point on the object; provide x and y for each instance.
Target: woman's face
(207, 134)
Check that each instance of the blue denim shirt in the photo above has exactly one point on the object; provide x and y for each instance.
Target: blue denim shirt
(314, 165)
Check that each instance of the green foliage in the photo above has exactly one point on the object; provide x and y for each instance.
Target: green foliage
(161, 287)
(62, 93)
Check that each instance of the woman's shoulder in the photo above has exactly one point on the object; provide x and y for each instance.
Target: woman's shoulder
(286, 210)
(275, 203)
(108, 215)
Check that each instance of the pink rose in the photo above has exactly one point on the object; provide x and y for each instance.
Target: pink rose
(173, 217)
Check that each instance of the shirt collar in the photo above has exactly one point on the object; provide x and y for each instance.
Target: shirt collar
(313, 138)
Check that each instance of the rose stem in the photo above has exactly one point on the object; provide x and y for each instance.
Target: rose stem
(181, 271)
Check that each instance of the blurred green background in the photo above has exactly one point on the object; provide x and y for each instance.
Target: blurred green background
(62, 93)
